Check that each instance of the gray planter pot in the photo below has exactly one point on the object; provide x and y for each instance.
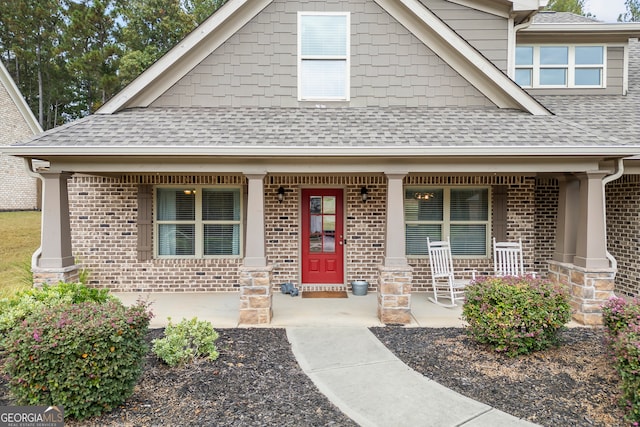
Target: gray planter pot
(359, 287)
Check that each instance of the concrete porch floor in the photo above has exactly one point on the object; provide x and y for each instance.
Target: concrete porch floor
(222, 309)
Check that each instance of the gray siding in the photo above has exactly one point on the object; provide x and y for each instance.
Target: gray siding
(487, 33)
(258, 65)
(615, 70)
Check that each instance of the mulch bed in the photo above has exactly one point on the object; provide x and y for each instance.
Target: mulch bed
(257, 382)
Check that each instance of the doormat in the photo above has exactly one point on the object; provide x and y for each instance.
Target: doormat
(324, 294)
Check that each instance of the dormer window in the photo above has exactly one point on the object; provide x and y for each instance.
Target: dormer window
(323, 56)
(553, 66)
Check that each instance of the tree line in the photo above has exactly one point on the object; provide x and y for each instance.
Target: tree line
(68, 57)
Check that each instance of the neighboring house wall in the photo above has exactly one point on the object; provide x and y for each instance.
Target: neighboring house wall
(18, 191)
(623, 231)
(257, 66)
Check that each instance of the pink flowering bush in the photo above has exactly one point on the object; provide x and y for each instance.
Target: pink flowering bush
(86, 357)
(515, 315)
(622, 322)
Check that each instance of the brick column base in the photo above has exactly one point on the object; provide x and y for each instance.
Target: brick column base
(589, 289)
(51, 276)
(255, 295)
(394, 295)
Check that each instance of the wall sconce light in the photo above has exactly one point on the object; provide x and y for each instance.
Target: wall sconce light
(189, 191)
(281, 192)
(364, 193)
(423, 196)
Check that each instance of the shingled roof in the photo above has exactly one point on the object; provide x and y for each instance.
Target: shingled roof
(208, 129)
(617, 117)
(552, 17)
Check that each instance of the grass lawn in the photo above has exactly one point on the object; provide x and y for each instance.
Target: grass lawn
(19, 238)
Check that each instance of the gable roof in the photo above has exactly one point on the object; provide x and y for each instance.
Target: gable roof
(413, 15)
(18, 100)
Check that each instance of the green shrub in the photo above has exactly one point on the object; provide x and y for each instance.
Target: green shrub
(23, 303)
(86, 357)
(622, 322)
(185, 341)
(515, 315)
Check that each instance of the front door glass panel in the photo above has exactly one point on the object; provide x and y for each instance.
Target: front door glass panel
(322, 224)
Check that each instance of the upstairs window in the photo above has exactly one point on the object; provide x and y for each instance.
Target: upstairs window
(549, 66)
(323, 56)
(460, 214)
(197, 222)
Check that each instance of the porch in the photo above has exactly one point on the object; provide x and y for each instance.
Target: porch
(222, 309)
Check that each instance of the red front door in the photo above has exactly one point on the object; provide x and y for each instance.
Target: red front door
(322, 237)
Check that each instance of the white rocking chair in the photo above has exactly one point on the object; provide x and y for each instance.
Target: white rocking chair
(445, 285)
(507, 259)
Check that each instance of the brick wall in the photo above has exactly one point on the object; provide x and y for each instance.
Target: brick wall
(623, 231)
(546, 202)
(18, 190)
(520, 224)
(103, 216)
(104, 231)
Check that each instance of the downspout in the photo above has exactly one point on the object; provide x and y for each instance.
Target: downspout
(607, 179)
(35, 258)
(511, 48)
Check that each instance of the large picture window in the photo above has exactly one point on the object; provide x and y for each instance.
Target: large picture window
(197, 222)
(560, 66)
(323, 56)
(460, 214)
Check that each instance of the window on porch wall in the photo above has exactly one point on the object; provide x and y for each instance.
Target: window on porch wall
(458, 214)
(198, 222)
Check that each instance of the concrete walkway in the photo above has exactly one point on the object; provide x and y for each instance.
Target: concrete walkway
(374, 388)
(332, 343)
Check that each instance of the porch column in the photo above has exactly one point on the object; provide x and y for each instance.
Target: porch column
(591, 241)
(567, 226)
(55, 262)
(255, 275)
(395, 275)
(589, 275)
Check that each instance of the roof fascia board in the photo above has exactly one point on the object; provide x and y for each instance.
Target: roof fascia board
(632, 29)
(308, 165)
(521, 5)
(461, 56)
(187, 54)
(19, 101)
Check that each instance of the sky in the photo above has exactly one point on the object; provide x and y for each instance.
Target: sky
(605, 10)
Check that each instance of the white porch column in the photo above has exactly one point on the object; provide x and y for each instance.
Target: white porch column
(567, 224)
(255, 252)
(395, 247)
(591, 244)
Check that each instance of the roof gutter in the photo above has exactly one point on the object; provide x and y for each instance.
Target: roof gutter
(607, 179)
(35, 258)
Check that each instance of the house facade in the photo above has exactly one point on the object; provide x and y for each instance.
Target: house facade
(322, 142)
(18, 190)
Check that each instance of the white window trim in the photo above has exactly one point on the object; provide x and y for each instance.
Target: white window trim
(446, 215)
(199, 234)
(346, 57)
(570, 67)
